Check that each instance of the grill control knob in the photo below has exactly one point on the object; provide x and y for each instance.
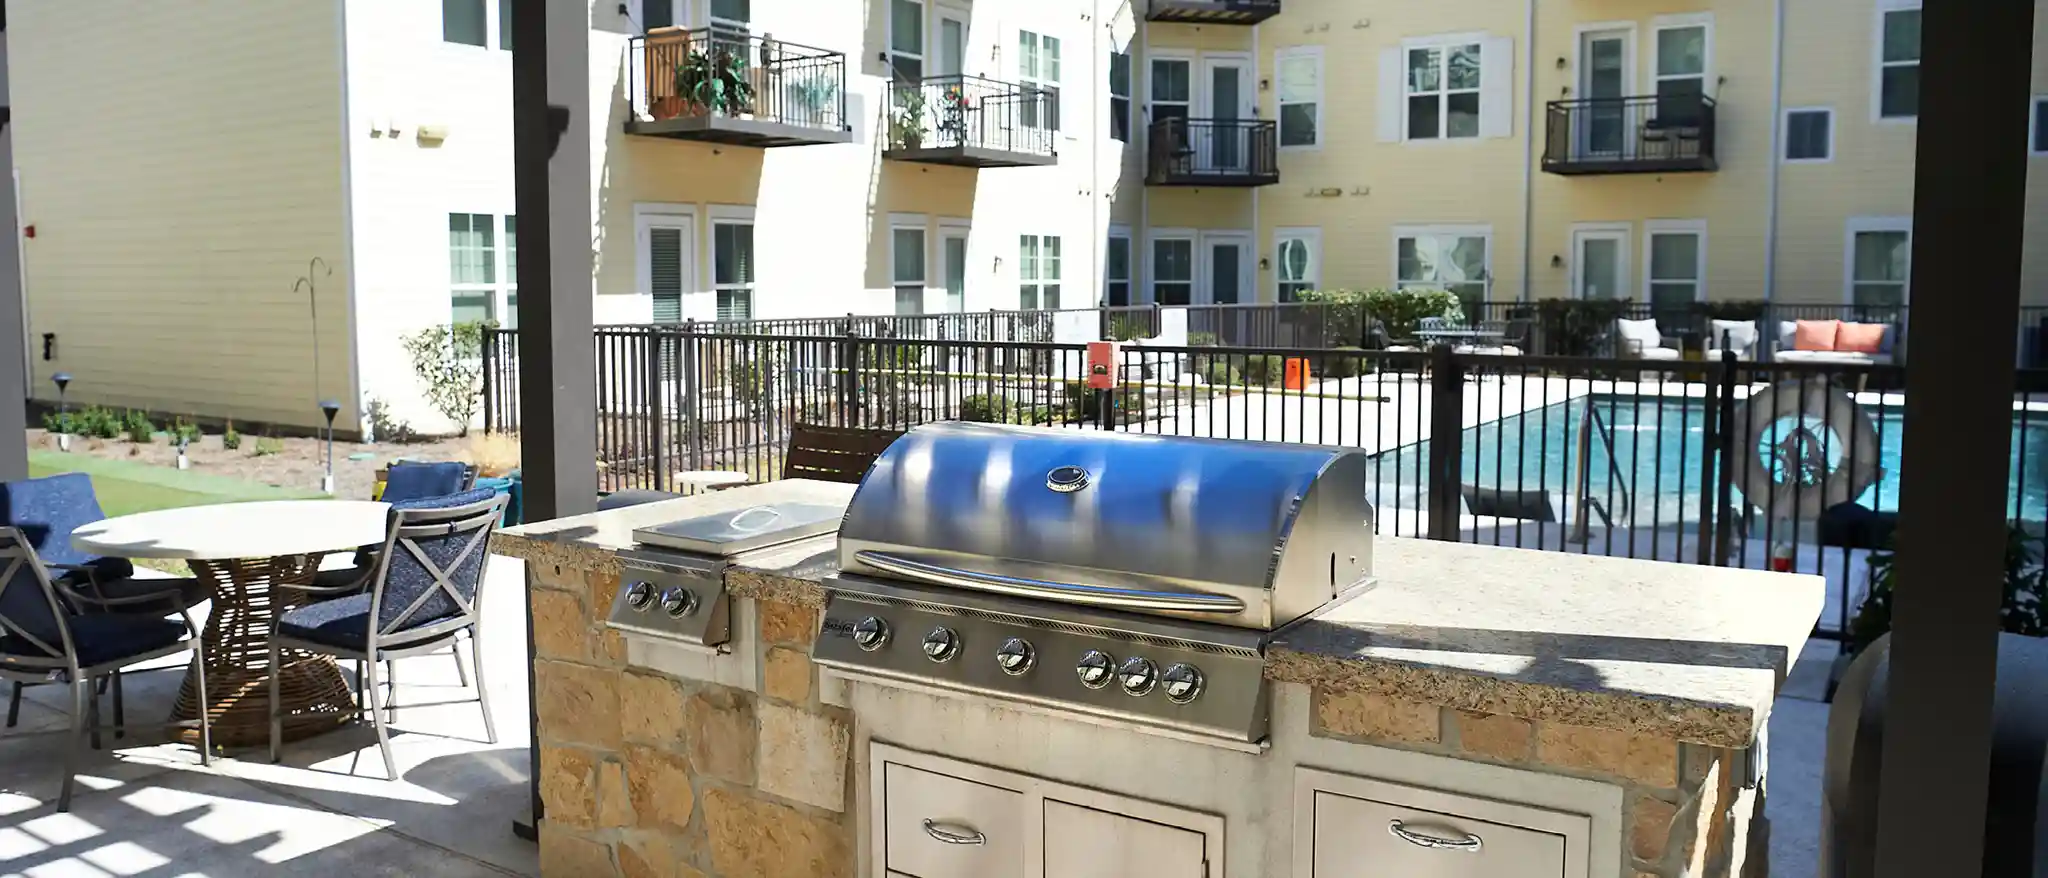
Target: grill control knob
(871, 633)
(1015, 656)
(1137, 675)
(679, 602)
(1095, 669)
(639, 595)
(1182, 683)
(941, 645)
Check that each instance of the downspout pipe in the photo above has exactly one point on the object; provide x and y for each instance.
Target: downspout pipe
(1528, 144)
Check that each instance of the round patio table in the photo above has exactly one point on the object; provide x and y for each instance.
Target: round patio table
(250, 554)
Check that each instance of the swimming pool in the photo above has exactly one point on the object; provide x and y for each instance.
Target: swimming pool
(1654, 466)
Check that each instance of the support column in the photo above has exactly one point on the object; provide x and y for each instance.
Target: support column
(1969, 197)
(552, 128)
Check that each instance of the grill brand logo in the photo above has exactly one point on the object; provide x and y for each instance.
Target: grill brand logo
(1067, 479)
(837, 627)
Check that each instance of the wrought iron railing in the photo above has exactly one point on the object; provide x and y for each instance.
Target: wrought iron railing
(952, 112)
(717, 72)
(1622, 134)
(1191, 151)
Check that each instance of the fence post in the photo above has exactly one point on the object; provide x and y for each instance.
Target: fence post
(656, 342)
(1710, 429)
(1446, 443)
(1724, 518)
(692, 396)
(490, 359)
(849, 374)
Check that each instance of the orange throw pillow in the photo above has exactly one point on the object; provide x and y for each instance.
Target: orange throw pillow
(1815, 335)
(1860, 338)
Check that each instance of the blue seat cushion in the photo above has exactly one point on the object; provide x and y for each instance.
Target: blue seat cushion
(418, 481)
(342, 622)
(109, 637)
(103, 570)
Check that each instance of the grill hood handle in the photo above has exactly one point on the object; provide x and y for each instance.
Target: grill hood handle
(1073, 593)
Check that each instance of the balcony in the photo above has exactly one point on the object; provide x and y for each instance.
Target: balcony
(971, 122)
(1638, 135)
(723, 86)
(1211, 11)
(1213, 152)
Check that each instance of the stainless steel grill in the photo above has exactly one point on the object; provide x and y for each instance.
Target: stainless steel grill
(673, 587)
(1127, 577)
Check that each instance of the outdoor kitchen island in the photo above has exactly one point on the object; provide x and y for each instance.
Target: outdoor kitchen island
(1475, 711)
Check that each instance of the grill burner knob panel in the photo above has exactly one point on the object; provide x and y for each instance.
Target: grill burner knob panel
(942, 644)
(1015, 656)
(1138, 675)
(871, 633)
(1182, 682)
(1095, 668)
(640, 595)
(679, 602)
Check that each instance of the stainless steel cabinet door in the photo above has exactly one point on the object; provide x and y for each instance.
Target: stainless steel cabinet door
(945, 827)
(1085, 842)
(1361, 838)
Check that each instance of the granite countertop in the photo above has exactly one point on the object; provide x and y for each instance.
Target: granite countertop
(1671, 650)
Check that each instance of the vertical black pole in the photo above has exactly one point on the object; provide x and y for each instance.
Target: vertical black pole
(657, 349)
(1724, 451)
(849, 380)
(551, 134)
(1970, 184)
(1446, 443)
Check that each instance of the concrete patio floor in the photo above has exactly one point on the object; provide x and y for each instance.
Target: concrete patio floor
(146, 807)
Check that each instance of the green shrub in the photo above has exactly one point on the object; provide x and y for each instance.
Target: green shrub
(448, 360)
(1574, 327)
(60, 422)
(1128, 402)
(138, 426)
(184, 432)
(1202, 340)
(2024, 610)
(229, 439)
(986, 409)
(1125, 327)
(1262, 369)
(1747, 309)
(99, 423)
(1345, 361)
(1219, 372)
(268, 445)
(1400, 311)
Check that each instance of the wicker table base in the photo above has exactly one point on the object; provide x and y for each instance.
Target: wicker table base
(247, 597)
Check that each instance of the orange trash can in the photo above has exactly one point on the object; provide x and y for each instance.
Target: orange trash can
(1295, 377)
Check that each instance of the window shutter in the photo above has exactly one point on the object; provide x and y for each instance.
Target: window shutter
(1497, 87)
(665, 264)
(1391, 92)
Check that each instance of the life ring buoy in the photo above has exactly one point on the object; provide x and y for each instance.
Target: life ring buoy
(1792, 471)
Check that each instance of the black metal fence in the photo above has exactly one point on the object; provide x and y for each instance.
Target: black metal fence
(1790, 466)
(1213, 152)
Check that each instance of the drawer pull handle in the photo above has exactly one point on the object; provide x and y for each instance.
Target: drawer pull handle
(950, 834)
(1469, 844)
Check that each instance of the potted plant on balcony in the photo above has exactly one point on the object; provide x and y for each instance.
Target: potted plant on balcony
(906, 123)
(714, 82)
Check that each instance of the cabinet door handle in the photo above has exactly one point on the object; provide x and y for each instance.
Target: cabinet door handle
(953, 833)
(1469, 844)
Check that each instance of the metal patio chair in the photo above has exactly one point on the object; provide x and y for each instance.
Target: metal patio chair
(42, 637)
(424, 591)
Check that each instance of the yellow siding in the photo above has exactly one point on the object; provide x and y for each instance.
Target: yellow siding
(181, 163)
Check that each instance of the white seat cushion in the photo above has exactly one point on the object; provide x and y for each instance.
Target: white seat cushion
(1658, 354)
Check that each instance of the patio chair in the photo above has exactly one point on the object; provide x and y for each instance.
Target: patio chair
(834, 454)
(404, 482)
(43, 637)
(425, 590)
(46, 511)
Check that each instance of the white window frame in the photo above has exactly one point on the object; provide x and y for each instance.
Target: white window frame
(730, 215)
(1038, 281)
(1313, 237)
(1709, 83)
(2034, 146)
(1121, 232)
(1860, 224)
(889, 50)
(1877, 62)
(1176, 56)
(1280, 59)
(1786, 121)
(1036, 77)
(1152, 240)
(1445, 42)
(1651, 230)
(1576, 271)
(922, 223)
(500, 288)
(1130, 97)
(494, 38)
(1449, 231)
(953, 227)
(688, 14)
(646, 215)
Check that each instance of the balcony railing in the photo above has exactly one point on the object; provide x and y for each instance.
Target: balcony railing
(1213, 152)
(972, 122)
(1211, 11)
(727, 86)
(1636, 135)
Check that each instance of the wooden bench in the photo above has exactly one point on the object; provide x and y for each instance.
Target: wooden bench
(834, 454)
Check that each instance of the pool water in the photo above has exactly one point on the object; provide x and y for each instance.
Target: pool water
(1658, 451)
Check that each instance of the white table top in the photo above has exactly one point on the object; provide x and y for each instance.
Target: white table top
(229, 531)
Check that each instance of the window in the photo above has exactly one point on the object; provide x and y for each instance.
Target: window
(1809, 135)
(510, 316)
(462, 22)
(505, 24)
(906, 246)
(1443, 92)
(1038, 272)
(1300, 95)
(1120, 95)
(1297, 262)
(1898, 63)
(1444, 258)
(726, 15)
(906, 41)
(1116, 270)
(731, 15)
(1171, 88)
(1038, 64)
(1682, 60)
(472, 268)
(2037, 140)
(732, 266)
(1880, 263)
(1676, 253)
(1173, 271)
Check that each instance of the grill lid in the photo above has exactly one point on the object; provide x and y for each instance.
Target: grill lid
(1252, 534)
